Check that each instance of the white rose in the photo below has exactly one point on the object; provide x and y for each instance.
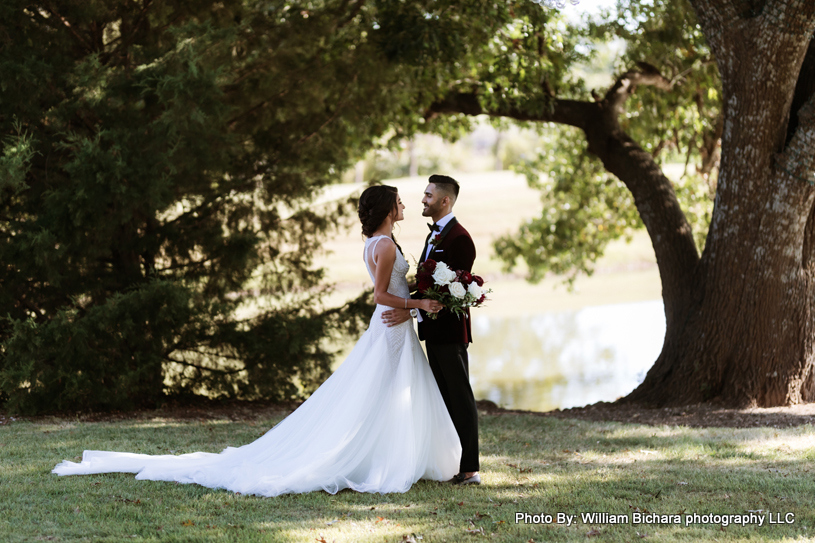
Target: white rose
(441, 266)
(457, 290)
(475, 290)
(443, 275)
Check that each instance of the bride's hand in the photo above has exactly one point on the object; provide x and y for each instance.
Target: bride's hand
(431, 306)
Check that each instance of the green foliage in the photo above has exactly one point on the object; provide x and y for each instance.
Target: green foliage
(665, 35)
(109, 356)
(696, 197)
(584, 208)
(685, 124)
(18, 150)
(518, 58)
(530, 62)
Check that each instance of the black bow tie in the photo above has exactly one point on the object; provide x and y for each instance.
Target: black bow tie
(434, 227)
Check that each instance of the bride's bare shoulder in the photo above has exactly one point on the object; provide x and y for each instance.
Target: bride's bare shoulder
(384, 248)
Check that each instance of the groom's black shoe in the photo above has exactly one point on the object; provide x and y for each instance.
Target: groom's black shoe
(461, 479)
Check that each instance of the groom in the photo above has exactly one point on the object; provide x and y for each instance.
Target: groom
(447, 337)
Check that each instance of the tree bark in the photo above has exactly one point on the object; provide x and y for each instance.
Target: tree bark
(747, 338)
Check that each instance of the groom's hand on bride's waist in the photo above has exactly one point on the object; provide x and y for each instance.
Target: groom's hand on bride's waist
(392, 317)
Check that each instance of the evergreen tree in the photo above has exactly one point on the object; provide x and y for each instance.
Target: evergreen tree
(159, 162)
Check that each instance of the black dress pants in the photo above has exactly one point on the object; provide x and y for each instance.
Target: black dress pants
(450, 366)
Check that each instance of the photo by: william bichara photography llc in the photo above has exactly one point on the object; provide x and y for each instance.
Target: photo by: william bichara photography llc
(751, 518)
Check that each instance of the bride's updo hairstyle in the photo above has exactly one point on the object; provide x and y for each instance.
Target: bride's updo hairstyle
(375, 204)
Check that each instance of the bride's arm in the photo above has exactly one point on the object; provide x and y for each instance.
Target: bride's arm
(384, 258)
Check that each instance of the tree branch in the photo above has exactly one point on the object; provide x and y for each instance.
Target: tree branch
(231, 122)
(330, 119)
(570, 112)
(654, 195)
(126, 40)
(210, 355)
(627, 84)
(191, 264)
(141, 15)
(53, 11)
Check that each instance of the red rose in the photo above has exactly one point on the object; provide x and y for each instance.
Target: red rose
(478, 280)
(445, 289)
(425, 283)
(429, 265)
(466, 277)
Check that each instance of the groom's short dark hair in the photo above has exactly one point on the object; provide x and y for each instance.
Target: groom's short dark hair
(445, 183)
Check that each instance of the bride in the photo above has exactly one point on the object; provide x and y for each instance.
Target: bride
(378, 424)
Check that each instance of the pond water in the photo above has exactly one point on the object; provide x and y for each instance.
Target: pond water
(570, 359)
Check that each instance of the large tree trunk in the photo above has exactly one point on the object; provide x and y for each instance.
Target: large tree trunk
(747, 336)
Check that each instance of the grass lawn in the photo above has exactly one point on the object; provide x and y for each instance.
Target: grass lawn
(530, 464)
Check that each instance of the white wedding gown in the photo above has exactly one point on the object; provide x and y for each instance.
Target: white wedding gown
(378, 424)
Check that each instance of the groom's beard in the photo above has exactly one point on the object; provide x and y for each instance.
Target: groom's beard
(429, 211)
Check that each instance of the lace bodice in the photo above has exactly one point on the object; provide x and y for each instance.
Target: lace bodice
(398, 285)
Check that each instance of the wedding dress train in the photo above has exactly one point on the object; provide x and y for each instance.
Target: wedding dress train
(378, 424)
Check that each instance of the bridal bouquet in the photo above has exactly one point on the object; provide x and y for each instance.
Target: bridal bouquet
(455, 289)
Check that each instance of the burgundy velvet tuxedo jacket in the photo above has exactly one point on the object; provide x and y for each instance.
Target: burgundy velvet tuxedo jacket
(457, 250)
